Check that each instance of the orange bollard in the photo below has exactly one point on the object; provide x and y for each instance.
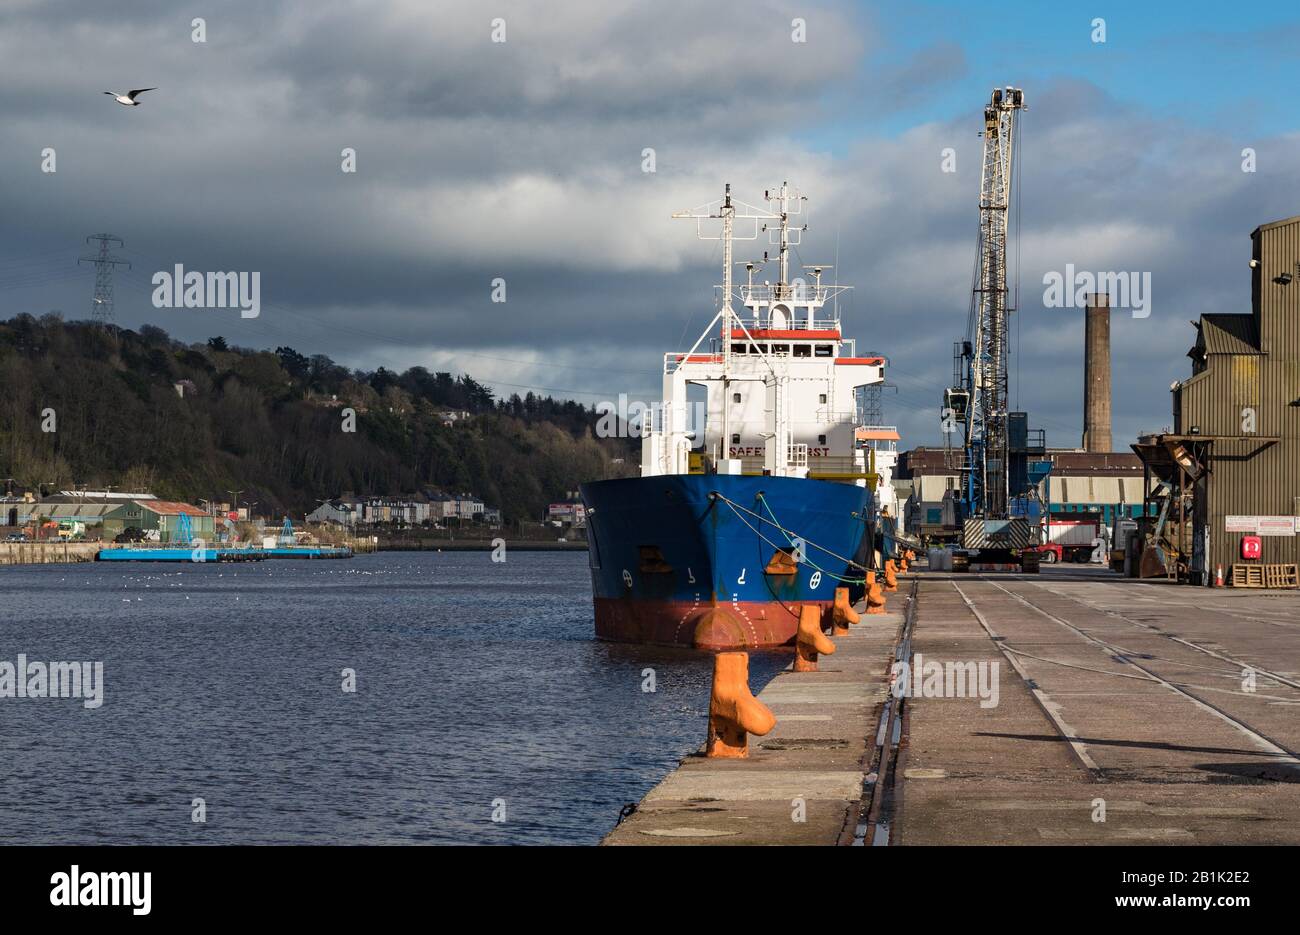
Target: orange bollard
(734, 713)
(810, 640)
(842, 613)
(875, 597)
(891, 577)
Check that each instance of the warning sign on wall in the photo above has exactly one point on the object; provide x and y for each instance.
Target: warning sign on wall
(1263, 525)
(1276, 525)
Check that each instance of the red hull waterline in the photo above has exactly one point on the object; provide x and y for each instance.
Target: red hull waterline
(711, 625)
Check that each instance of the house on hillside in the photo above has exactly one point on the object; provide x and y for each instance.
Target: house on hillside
(338, 512)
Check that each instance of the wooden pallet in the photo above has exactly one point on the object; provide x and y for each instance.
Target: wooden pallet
(1281, 576)
(1265, 576)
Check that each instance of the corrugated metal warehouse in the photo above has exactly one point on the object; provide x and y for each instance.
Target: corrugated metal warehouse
(1080, 482)
(1235, 448)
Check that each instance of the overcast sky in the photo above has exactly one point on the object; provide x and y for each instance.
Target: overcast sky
(523, 160)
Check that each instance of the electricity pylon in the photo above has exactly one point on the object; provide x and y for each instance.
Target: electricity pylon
(101, 303)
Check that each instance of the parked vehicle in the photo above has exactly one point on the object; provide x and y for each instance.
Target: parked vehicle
(72, 531)
(1123, 538)
(1070, 540)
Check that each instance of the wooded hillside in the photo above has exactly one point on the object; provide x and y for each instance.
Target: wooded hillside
(272, 424)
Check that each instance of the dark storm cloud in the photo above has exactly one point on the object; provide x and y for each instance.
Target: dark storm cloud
(475, 160)
(523, 161)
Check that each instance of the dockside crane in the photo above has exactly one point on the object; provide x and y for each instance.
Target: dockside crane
(993, 460)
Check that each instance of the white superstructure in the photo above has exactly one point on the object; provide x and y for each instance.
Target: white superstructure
(780, 377)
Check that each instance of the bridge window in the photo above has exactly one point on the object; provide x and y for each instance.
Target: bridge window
(825, 350)
(803, 350)
(737, 348)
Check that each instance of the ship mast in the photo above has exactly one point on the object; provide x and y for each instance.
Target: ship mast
(784, 202)
(726, 212)
(728, 313)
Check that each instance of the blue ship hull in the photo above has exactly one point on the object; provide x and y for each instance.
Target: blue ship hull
(687, 559)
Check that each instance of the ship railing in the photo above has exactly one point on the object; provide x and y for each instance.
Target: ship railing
(796, 293)
(765, 322)
(672, 361)
(879, 444)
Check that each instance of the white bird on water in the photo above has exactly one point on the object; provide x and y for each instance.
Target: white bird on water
(129, 97)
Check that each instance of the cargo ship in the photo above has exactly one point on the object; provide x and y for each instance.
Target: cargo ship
(756, 495)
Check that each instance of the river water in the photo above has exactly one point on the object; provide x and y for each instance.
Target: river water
(480, 692)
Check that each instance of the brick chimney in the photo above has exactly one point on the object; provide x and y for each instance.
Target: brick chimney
(1096, 373)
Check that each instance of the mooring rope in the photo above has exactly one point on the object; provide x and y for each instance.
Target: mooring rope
(777, 523)
(738, 509)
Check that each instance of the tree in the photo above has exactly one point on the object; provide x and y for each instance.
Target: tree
(294, 364)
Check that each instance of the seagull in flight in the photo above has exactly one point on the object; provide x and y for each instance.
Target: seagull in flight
(129, 98)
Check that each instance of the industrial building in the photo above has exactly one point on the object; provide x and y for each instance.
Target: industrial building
(1107, 484)
(162, 516)
(1088, 482)
(76, 508)
(1231, 466)
(57, 510)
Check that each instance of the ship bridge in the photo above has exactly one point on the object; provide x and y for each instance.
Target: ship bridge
(779, 376)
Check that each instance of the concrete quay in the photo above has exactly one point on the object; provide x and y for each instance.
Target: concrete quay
(1129, 713)
(47, 553)
(802, 782)
(1120, 712)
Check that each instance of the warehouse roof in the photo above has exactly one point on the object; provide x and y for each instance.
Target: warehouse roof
(171, 508)
(64, 510)
(1227, 334)
(1272, 224)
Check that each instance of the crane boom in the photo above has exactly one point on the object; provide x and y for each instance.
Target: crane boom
(999, 482)
(978, 400)
(987, 434)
